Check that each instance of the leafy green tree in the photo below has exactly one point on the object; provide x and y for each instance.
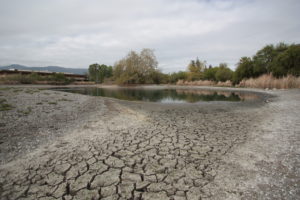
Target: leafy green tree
(157, 77)
(192, 67)
(201, 66)
(137, 68)
(263, 59)
(109, 72)
(210, 73)
(99, 72)
(287, 62)
(176, 76)
(223, 65)
(196, 66)
(223, 73)
(93, 69)
(244, 70)
(195, 70)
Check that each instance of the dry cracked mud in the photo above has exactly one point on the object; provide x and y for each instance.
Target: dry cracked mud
(135, 150)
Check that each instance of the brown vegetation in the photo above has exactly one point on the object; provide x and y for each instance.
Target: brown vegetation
(205, 83)
(269, 81)
(35, 78)
(264, 81)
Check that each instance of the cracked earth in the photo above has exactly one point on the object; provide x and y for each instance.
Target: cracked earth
(133, 150)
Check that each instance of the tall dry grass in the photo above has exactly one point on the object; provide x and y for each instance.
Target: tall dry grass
(204, 83)
(264, 81)
(269, 81)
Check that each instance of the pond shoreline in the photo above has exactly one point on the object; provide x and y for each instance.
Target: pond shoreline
(172, 151)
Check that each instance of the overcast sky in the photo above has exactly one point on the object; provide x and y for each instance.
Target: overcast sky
(77, 33)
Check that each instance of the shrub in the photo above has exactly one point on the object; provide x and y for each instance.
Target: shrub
(223, 74)
(210, 74)
(176, 76)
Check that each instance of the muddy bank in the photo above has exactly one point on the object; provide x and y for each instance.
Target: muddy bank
(101, 148)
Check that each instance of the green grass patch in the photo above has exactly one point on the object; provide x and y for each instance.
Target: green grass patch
(53, 103)
(5, 106)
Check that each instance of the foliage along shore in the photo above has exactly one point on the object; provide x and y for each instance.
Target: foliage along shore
(34, 78)
(273, 66)
(266, 81)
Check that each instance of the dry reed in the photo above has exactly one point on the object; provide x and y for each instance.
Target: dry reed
(205, 83)
(265, 81)
(270, 82)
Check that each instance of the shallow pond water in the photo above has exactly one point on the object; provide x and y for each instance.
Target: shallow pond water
(162, 95)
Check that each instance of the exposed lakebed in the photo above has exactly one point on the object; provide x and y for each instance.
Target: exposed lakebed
(162, 95)
(59, 145)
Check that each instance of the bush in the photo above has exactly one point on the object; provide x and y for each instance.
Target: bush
(244, 70)
(210, 74)
(280, 60)
(24, 78)
(223, 74)
(59, 78)
(176, 76)
(98, 72)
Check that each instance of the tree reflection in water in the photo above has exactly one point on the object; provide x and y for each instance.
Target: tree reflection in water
(162, 95)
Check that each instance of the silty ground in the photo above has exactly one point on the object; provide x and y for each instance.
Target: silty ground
(72, 146)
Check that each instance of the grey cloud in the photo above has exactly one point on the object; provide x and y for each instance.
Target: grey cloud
(76, 33)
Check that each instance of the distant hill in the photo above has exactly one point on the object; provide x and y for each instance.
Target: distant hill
(48, 68)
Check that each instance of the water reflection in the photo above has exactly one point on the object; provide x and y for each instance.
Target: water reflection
(161, 95)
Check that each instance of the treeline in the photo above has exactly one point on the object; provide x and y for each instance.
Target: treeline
(98, 72)
(135, 68)
(141, 68)
(138, 68)
(198, 70)
(279, 60)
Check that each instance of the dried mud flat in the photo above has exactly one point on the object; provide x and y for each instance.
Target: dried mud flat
(56, 145)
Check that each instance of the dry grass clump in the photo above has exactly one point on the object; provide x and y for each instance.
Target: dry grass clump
(264, 81)
(196, 83)
(269, 81)
(205, 83)
(224, 84)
